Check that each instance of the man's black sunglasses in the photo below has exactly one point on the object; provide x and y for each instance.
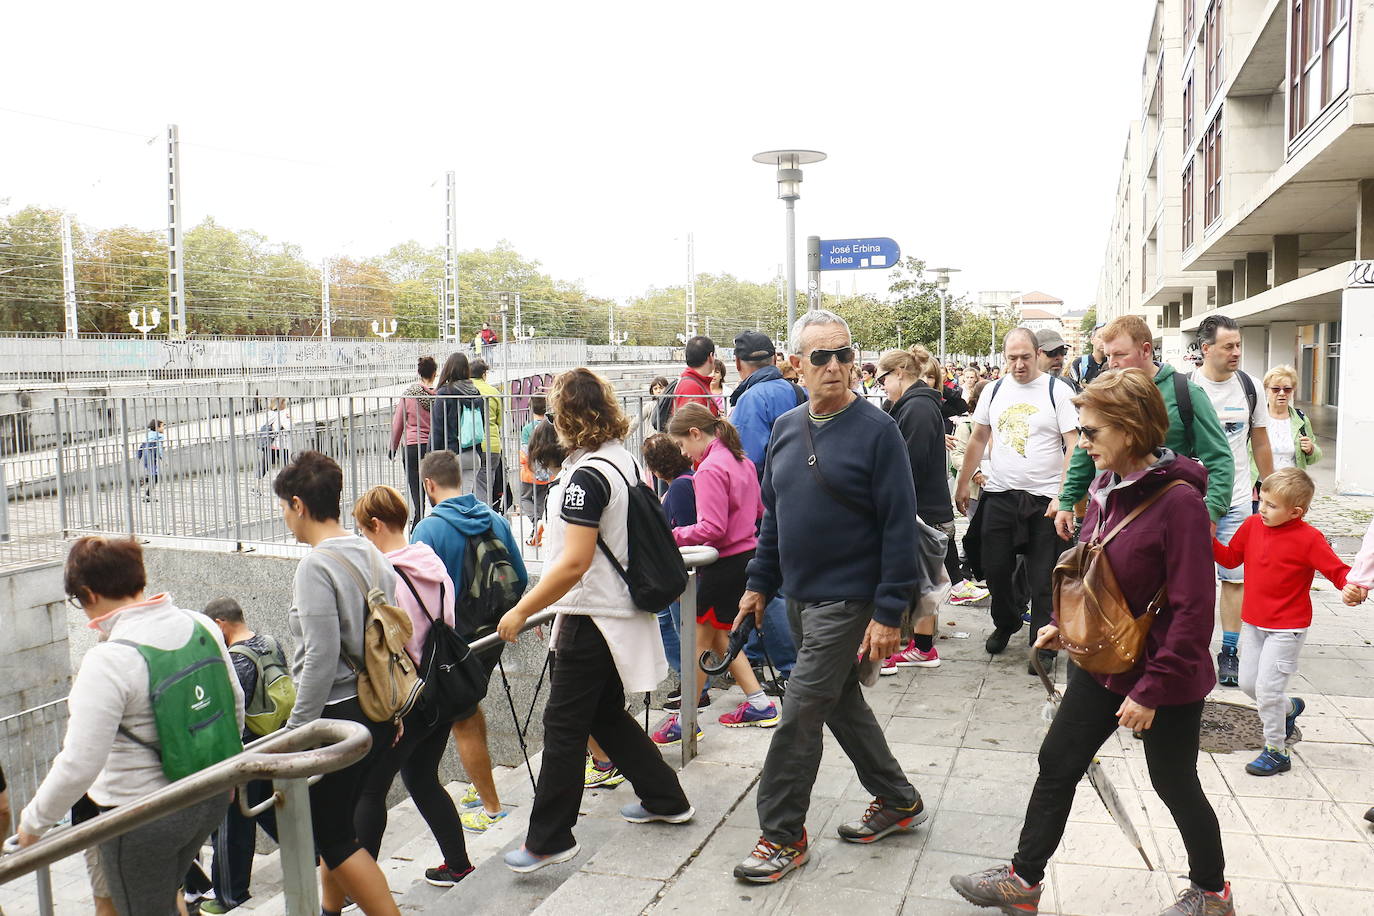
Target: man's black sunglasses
(822, 357)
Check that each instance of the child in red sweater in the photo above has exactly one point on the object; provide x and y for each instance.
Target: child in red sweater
(1281, 553)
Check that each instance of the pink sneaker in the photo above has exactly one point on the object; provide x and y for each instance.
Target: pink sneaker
(912, 657)
(889, 665)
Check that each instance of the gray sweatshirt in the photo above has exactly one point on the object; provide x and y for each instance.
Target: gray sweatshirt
(326, 620)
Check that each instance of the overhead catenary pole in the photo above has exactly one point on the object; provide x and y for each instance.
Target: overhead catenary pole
(452, 327)
(176, 275)
(326, 315)
(691, 287)
(68, 277)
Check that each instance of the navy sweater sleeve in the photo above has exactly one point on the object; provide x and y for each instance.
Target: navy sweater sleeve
(680, 504)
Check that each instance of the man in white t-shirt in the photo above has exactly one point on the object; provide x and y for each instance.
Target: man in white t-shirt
(1244, 417)
(1029, 427)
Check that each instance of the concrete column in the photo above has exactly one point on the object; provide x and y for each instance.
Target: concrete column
(1355, 415)
(1283, 343)
(1285, 258)
(1238, 269)
(1254, 349)
(1364, 221)
(1225, 287)
(1187, 306)
(1256, 273)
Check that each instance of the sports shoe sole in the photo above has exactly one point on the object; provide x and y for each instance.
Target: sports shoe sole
(901, 826)
(778, 875)
(1010, 909)
(761, 723)
(682, 818)
(932, 663)
(478, 831)
(885, 671)
(554, 859)
(605, 783)
(1274, 772)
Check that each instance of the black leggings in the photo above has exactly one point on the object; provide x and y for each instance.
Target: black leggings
(416, 756)
(412, 456)
(1086, 719)
(335, 797)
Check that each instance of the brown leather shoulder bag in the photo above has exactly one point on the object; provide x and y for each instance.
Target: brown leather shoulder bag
(1096, 625)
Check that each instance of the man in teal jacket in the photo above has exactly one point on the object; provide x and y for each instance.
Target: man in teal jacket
(455, 518)
(1129, 344)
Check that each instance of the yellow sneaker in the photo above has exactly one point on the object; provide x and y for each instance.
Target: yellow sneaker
(479, 821)
(470, 798)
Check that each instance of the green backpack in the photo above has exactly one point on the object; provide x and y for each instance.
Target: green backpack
(193, 704)
(274, 693)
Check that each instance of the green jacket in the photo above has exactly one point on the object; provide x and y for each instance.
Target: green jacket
(1297, 426)
(1208, 445)
(493, 396)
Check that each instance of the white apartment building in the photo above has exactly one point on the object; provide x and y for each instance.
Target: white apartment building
(1247, 188)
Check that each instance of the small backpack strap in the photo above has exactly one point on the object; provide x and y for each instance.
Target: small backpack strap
(418, 600)
(1135, 513)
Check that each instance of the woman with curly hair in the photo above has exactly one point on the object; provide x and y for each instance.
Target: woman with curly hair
(603, 644)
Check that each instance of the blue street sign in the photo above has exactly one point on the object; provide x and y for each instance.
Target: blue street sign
(859, 254)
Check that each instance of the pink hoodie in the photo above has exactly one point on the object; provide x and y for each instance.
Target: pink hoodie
(728, 504)
(1362, 569)
(426, 572)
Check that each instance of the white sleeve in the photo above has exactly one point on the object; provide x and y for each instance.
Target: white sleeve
(983, 412)
(1066, 415)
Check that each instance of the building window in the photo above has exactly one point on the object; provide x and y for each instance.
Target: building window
(1188, 114)
(1318, 59)
(1211, 154)
(1188, 207)
(1188, 6)
(1213, 54)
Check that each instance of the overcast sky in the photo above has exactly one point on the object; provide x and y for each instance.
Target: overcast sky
(594, 135)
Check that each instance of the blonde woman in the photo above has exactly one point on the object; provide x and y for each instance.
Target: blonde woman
(1299, 448)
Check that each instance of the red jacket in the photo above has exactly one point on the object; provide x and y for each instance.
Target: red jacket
(1280, 564)
(694, 388)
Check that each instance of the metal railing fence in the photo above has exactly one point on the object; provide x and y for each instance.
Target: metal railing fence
(29, 740)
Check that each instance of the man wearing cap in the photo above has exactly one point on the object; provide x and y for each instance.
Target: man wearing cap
(762, 395)
(1049, 355)
(1088, 366)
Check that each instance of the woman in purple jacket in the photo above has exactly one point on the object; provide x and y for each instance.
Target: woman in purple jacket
(1123, 423)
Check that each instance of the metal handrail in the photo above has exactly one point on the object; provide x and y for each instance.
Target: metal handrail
(292, 754)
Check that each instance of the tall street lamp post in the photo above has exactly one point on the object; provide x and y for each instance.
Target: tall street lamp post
(384, 328)
(942, 280)
(789, 163)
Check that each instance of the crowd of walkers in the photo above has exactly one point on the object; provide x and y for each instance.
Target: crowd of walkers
(1144, 487)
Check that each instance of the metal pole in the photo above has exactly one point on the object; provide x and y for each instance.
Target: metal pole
(68, 276)
(691, 287)
(813, 276)
(234, 475)
(517, 315)
(791, 267)
(326, 315)
(452, 328)
(46, 905)
(128, 471)
(61, 469)
(297, 847)
(942, 331)
(176, 295)
(687, 690)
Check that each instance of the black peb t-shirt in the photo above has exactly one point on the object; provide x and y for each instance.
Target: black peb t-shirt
(585, 498)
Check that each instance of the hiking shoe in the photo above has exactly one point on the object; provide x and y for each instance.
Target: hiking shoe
(998, 641)
(1270, 761)
(670, 732)
(881, 820)
(594, 777)
(479, 821)
(443, 876)
(1025, 616)
(523, 861)
(1001, 888)
(775, 686)
(1197, 902)
(769, 862)
(967, 592)
(1228, 667)
(1296, 707)
(746, 715)
(674, 701)
(470, 798)
(636, 813)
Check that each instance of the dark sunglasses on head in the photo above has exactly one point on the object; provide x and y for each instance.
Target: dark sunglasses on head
(822, 357)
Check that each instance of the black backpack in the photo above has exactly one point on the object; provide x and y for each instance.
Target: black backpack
(454, 680)
(663, 410)
(656, 574)
(491, 586)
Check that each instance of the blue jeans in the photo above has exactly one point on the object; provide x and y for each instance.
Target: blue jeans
(776, 638)
(669, 620)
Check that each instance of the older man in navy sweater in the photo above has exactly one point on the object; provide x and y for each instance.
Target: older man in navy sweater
(835, 464)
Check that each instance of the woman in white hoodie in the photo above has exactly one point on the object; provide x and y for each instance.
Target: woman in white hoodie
(603, 645)
(110, 754)
(381, 515)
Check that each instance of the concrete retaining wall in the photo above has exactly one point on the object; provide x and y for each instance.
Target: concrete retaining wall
(33, 638)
